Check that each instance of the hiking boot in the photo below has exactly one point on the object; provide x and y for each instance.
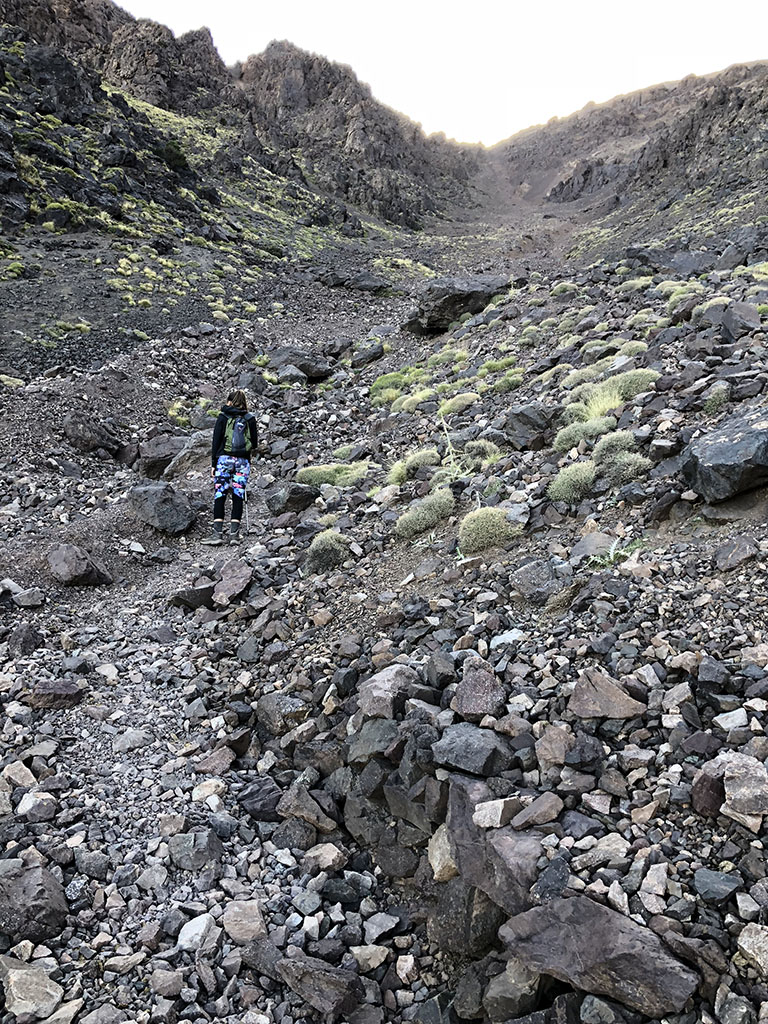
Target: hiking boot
(234, 532)
(216, 537)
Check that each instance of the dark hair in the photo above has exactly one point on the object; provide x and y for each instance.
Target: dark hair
(238, 400)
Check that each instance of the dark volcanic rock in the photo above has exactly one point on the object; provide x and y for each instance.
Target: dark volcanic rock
(74, 567)
(601, 951)
(292, 498)
(731, 458)
(330, 990)
(445, 299)
(91, 433)
(162, 506)
(32, 904)
(474, 750)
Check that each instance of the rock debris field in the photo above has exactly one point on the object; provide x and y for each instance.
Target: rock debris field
(470, 724)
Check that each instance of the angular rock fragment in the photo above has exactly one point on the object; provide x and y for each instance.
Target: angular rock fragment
(596, 695)
(602, 952)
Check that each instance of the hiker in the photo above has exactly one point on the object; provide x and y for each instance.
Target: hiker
(234, 440)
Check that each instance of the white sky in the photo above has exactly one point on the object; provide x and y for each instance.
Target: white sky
(484, 70)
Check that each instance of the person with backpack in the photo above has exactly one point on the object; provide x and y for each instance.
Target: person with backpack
(235, 439)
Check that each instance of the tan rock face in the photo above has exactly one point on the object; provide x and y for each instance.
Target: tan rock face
(596, 695)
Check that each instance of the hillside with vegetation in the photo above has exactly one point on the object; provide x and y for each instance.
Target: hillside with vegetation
(469, 725)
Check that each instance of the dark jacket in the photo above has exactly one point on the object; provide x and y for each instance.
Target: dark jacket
(219, 431)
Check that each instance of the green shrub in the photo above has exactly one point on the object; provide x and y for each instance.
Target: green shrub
(486, 528)
(480, 453)
(636, 284)
(633, 348)
(386, 396)
(426, 514)
(412, 402)
(511, 380)
(613, 444)
(624, 467)
(717, 398)
(570, 436)
(495, 365)
(327, 550)
(407, 468)
(340, 474)
(458, 403)
(531, 335)
(573, 482)
(343, 452)
(565, 288)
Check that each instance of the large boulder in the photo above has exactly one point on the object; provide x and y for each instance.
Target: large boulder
(159, 452)
(32, 904)
(75, 567)
(92, 433)
(500, 862)
(602, 952)
(292, 497)
(731, 458)
(740, 318)
(314, 365)
(528, 424)
(329, 990)
(445, 299)
(162, 506)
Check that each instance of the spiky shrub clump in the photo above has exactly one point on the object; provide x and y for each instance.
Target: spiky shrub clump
(426, 515)
(573, 482)
(613, 444)
(511, 380)
(486, 528)
(412, 402)
(340, 474)
(458, 403)
(633, 348)
(625, 467)
(407, 468)
(327, 550)
(571, 435)
(479, 453)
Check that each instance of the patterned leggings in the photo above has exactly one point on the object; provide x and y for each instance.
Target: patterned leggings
(231, 474)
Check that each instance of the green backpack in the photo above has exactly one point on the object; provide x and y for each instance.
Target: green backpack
(237, 436)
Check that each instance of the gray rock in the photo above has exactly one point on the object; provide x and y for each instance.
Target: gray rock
(478, 751)
(716, 886)
(329, 990)
(280, 712)
(746, 784)
(163, 507)
(501, 862)
(479, 693)
(445, 299)
(735, 552)
(366, 352)
(511, 993)
(731, 458)
(193, 851)
(32, 904)
(131, 739)
(158, 453)
(91, 433)
(740, 318)
(260, 799)
(29, 992)
(292, 497)
(383, 695)
(536, 581)
(602, 952)
(75, 567)
(596, 695)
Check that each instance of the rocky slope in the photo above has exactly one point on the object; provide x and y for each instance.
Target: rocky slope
(471, 726)
(685, 159)
(315, 114)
